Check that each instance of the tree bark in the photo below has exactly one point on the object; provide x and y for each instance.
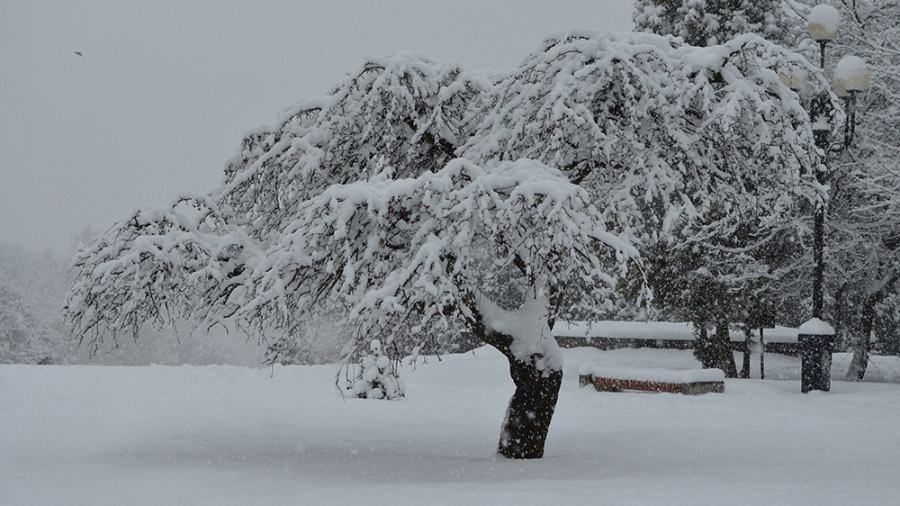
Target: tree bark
(527, 421)
(715, 351)
(745, 365)
(840, 319)
(530, 410)
(724, 356)
(863, 342)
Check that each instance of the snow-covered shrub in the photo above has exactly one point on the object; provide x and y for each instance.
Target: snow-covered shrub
(378, 377)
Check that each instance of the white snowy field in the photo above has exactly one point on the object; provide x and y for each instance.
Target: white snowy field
(219, 435)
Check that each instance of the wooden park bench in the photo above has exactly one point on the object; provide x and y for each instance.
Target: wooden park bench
(674, 381)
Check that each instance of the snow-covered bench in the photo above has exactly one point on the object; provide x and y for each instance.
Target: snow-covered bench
(611, 335)
(681, 381)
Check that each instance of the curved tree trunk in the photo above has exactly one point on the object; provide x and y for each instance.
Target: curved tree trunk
(863, 342)
(537, 378)
(531, 408)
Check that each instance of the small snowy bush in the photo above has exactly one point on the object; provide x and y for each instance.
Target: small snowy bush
(377, 378)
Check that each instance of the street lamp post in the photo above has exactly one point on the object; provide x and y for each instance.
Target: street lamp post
(851, 76)
(823, 24)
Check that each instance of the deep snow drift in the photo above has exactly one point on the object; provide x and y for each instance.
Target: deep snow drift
(229, 435)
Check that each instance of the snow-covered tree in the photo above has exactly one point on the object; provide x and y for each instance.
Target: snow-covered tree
(394, 117)
(704, 22)
(410, 257)
(402, 114)
(354, 206)
(711, 22)
(409, 249)
(692, 152)
(24, 339)
(32, 289)
(862, 225)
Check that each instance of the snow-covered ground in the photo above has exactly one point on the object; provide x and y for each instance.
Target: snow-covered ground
(220, 435)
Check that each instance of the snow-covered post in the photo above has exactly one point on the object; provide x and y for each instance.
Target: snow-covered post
(816, 345)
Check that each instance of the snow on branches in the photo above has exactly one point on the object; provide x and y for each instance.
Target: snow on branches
(409, 256)
(413, 188)
(159, 265)
(709, 22)
(403, 112)
(701, 157)
(657, 130)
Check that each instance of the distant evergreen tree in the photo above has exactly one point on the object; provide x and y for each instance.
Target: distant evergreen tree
(711, 22)
(707, 294)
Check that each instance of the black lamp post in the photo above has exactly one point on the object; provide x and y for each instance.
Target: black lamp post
(822, 26)
(850, 77)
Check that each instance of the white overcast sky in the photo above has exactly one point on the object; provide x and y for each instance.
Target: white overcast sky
(165, 90)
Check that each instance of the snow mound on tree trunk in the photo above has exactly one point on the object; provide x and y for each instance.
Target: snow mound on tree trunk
(528, 328)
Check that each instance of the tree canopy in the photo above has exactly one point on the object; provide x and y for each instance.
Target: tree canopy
(640, 122)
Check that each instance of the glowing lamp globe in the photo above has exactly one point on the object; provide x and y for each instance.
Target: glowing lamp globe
(851, 74)
(823, 23)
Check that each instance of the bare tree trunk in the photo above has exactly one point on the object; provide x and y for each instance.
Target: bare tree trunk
(862, 343)
(725, 357)
(715, 351)
(858, 364)
(840, 318)
(531, 408)
(748, 345)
